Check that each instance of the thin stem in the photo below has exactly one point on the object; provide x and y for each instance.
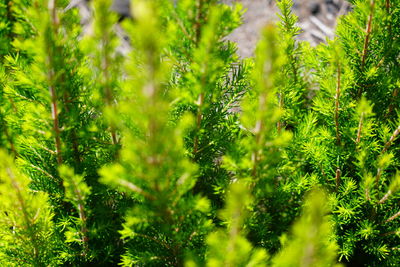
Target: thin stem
(387, 5)
(108, 94)
(199, 16)
(337, 178)
(82, 217)
(393, 217)
(337, 96)
(388, 143)
(25, 213)
(258, 130)
(360, 125)
(367, 194)
(54, 113)
(378, 177)
(135, 189)
(182, 27)
(368, 35)
(366, 41)
(51, 78)
(200, 100)
(385, 197)
(294, 69)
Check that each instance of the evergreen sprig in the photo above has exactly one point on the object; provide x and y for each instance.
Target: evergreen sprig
(180, 153)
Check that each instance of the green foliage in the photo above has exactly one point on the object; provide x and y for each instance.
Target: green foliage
(26, 225)
(230, 247)
(312, 242)
(180, 153)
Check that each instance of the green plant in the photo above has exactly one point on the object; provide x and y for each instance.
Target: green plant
(180, 153)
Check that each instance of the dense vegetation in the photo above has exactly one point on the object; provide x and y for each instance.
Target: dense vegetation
(180, 153)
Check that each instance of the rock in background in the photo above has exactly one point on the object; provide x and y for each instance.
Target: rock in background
(317, 18)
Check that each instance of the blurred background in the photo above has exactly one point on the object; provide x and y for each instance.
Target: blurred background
(317, 18)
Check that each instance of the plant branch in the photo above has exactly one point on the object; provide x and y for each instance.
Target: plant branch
(337, 102)
(337, 178)
(367, 40)
(385, 197)
(82, 217)
(199, 16)
(388, 143)
(393, 217)
(23, 206)
(52, 77)
(360, 125)
(108, 94)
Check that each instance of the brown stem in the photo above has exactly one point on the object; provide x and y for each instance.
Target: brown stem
(54, 113)
(368, 35)
(388, 143)
(366, 41)
(135, 189)
(393, 217)
(387, 5)
(199, 16)
(337, 96)
(367, 194)
(82, 217)
(360, 125)
(385, 197)
(337, 178)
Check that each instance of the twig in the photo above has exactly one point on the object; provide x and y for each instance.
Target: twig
(388, 143)
(378, 177)
(393, 217)
(337, 178)
(385, 197)
(337, 96)
(82, 217)
(51, 77)
(360, 125)
(366, 41)
(199, 16)
(108, 94)
(135, 189)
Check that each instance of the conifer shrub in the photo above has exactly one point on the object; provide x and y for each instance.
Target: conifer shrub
(182, 154)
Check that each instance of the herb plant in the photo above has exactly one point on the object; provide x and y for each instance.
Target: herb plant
(179, 153)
